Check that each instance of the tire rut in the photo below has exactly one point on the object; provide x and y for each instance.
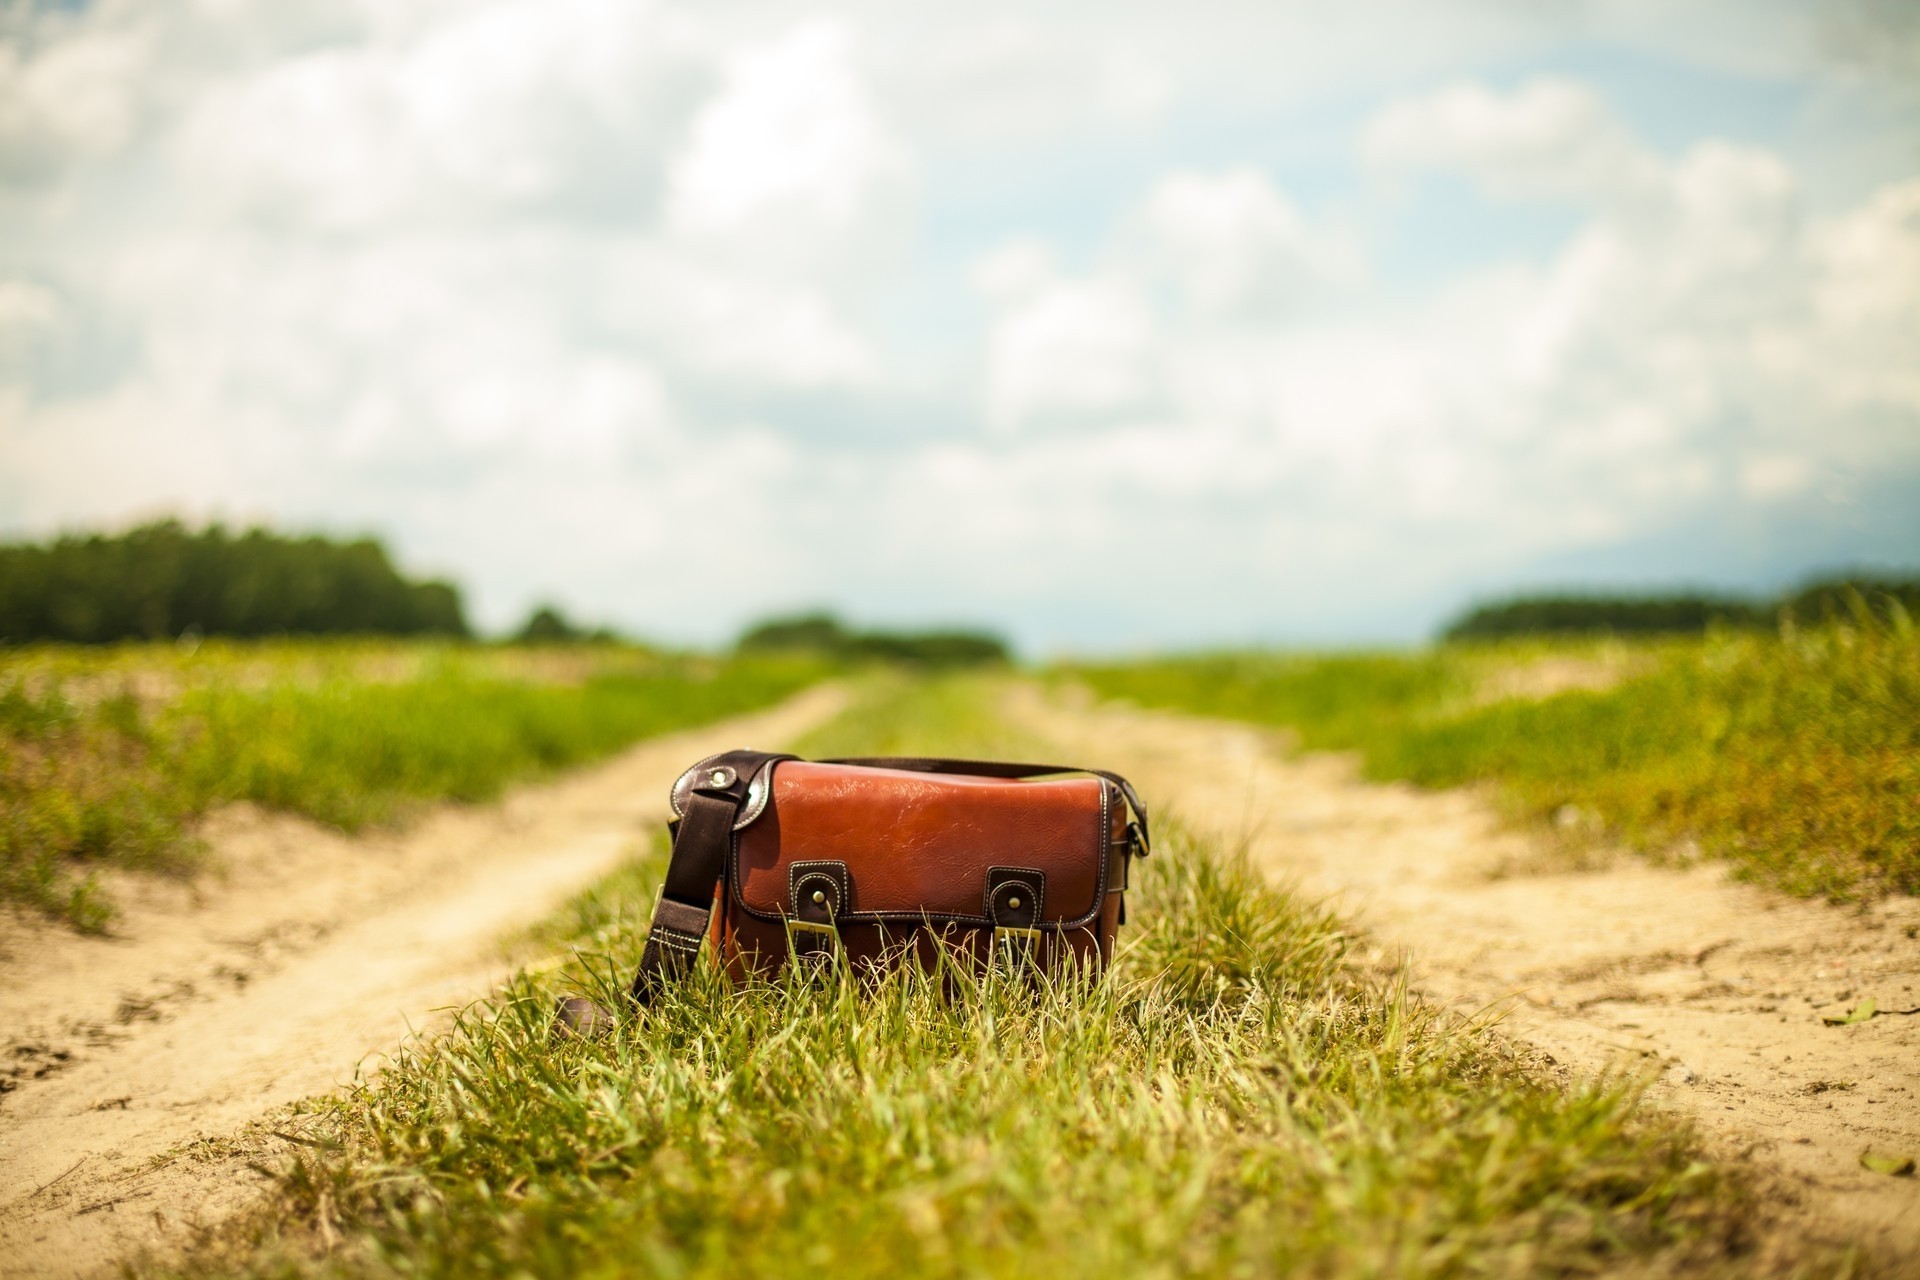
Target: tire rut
(136, 1061)
(1718, 991)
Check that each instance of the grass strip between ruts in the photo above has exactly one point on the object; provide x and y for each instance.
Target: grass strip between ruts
(1237, 1098)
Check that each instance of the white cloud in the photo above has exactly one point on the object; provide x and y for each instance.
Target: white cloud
(1234, 250)
(737, 326)
(1549, 137)
(75, 102)
(35, 328)
(1014, 270)
(790, 159)
(516, 104)
(1069, 349)
(1864, 291)
(1233, 242)
(1006, 77)
(1702, 345)
(420, 272)
(1774, 475)
(549, 291)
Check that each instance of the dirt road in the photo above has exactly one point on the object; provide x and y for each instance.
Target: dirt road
(132, 1059)
(1720, 988)
(135, 1059)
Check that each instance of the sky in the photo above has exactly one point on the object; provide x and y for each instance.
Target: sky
(1114, 327)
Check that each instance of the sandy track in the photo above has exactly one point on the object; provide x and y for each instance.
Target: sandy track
(131, 1058)
(1717, 986)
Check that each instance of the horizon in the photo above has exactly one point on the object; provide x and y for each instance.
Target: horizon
(1112, 331)
(1904, 583)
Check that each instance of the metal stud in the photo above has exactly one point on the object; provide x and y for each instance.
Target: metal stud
(819, 897)
(1013, 904)
(719, 778)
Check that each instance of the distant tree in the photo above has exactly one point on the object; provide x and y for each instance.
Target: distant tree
(825, 634)
(813, 632)
(547, 625)
(1640, 615)
(1840, 597)
(162, 579)
(931, 648)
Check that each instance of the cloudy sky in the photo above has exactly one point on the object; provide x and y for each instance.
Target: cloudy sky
(1112, 326)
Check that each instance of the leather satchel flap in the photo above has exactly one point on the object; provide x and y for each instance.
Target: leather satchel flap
(917, 844)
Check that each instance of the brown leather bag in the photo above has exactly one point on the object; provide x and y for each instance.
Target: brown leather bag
(777, 858)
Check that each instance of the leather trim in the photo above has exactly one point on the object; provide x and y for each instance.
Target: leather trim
(1015, 897)
(831, 877)
(811, 926)
(1033, 880)
(1098, 851)
(759, 788)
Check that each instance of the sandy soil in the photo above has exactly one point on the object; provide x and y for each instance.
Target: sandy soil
(1717, 989)
(127, 1064)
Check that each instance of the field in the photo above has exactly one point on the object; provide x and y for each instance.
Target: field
(1260, 1087)
(1241, 1098)
(1796, 756)
(108, 756)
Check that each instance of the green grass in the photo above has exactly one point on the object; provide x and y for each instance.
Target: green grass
(1238, 1098)
(108, 757)
(1796, 756)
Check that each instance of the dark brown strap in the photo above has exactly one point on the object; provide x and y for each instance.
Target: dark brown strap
(1005, 769)
(700, 845)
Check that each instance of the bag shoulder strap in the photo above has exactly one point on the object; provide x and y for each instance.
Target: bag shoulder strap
(705, 833)
(700, 843)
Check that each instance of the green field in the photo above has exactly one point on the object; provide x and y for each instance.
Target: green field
(1242, 1097)
(109, 755)
(1793, 755)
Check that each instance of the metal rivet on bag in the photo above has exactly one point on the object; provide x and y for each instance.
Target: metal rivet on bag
(719, 778)
(1013, 904)
(819, 897)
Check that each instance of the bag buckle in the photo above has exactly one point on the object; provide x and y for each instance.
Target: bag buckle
(1022, 946)
(818, 892)
(817, 945)
(1014, 896)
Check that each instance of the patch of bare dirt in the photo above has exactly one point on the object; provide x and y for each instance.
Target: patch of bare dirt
(130, 1066)
(1720, 990)
(1553, 673)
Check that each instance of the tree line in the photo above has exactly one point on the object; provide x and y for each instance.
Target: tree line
(164, 580)
(1837, 598)
(826, 635)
